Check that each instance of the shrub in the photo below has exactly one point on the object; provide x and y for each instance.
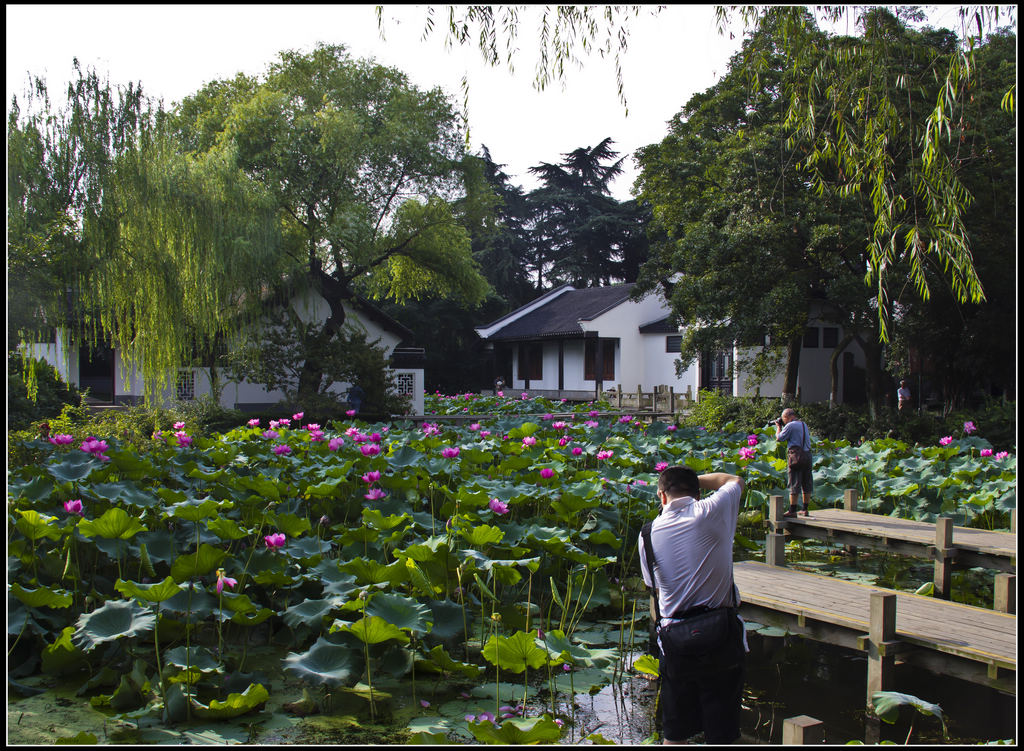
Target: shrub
(51, 392)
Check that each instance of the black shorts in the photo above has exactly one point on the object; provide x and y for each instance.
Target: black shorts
(704, 694)
(801, 477)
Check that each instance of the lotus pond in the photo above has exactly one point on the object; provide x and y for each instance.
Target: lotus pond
(388, 582)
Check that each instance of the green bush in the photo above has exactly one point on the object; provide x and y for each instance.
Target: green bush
(52, 393)
(995, 421)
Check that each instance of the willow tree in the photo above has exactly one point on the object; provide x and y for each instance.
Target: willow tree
(362, 170)
(856, 81)
(121, 240)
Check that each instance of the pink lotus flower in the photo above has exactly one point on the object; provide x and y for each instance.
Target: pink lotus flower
(222, 580)
(73, 507)
(661, 466)
(358, 437)
(547, 416)
(284, 422)
(275, 540)
(335, 443)
(282, 449)
(184, 439)
(371, 477)
(672, 428)
(61, 439)
(564, 440)
(179, 426)
(969, 427)
(529, 440)
(602, 455)
(591, 423)
(350, 412)
(559, 425)
(312, 426)
(751, 440)
(92, 446)
(450, 452)
(501, 393)
(298, 416)
(424, 703)
(1002, 455)
(547, 473)
(254, 422)
(473, 427)
(498, 507)
(375, 437)
(484, 433)
(271, 434)
(594, 413)
(275, 424)
(375, 494)
(370, 449)
(625, 419)
(316, 435)
(747, 452)
(986, 452)
(946, 440)
(486, 717)
(576, 451)
(524, 396)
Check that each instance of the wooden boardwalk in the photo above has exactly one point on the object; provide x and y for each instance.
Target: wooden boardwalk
(975, 644)
(968, 546)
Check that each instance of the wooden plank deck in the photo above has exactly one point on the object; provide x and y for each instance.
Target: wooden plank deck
(976, 644)
(973, 547)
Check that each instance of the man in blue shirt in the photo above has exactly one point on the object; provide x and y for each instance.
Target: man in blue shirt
(801, 475)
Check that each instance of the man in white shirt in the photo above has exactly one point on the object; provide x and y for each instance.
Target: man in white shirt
(692, 545)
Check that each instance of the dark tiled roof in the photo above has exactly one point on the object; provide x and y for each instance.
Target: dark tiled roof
(562, 315)
(661, 326)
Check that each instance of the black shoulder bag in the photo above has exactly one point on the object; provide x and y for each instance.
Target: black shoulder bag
(796, 454)
(700, 630)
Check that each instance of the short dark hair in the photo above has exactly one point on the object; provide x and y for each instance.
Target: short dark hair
(678, 481)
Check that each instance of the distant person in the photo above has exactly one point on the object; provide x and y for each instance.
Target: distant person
(798, 459)
(356, 396)
(902, 396)
(686, 559)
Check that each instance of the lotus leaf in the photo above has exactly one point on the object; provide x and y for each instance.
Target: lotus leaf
(515, 653)
(62, 656)
(325, 663)
(443, 662)
(886, 704)
(308, 613)
(164, 590)
(36, 526)
(234, 705)
(115, 620)
(403, 612)
(197, 563)
(73, 467)
(115, 524)
(648, 665)
(517, 730)
(372, 630)
(482, 535)
(448, 619)
(196, 658)
(42, 596)
(197, 509)
(429, 730)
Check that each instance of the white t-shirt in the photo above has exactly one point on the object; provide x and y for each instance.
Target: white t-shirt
(693, 551)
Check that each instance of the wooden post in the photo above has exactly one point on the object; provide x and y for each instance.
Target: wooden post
(618, 396)
(943, 560)
(1005, 600)
(654, 401)
(775, 540)
(1013, 521)
(802, 730)
(881, 634)
(850, 499)
(672, 400)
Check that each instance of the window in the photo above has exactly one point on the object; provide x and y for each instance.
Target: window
(829, 337)
(811, 337)
(590, 360)
(531, 362)
(185, 387)
(673, 344)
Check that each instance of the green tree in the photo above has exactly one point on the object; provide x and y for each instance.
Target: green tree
(585, 236)
(362, 169)
(850, 147)
(116, 237)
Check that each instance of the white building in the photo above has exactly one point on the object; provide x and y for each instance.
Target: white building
(553, 345)
(111, 379)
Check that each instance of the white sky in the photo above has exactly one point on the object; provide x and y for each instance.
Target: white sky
(174, 49)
